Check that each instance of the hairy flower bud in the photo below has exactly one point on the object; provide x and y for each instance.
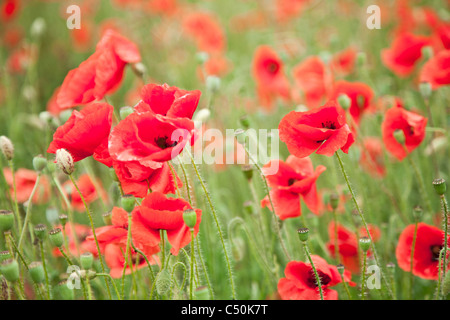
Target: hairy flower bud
(163, 280)
(39, 163)
(56, 237)
(190, 218)
(7, 148)
(64, 161)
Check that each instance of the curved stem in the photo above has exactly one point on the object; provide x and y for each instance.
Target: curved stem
(112, 281)
(445, 221)
(318, 282)
(413, 248)
(16, 203)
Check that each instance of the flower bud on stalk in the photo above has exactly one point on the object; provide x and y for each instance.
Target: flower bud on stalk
(440, 186)
(334, 201)
(56, 237)
(248, 171)
(10, 270)
(64, 161)
(39, 163)
(163, 280)
(6, 220)
(37, 272)
(344, 101)
(7, 148)
(190, 218)
(128, 202)
(86, 260)
(40, 231)
(303, 234)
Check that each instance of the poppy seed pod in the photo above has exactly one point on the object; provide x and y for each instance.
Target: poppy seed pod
(128, 202)
(40, 231)
(107, 218)
(202, 293)
(364, 243)
(65, 292)
(39, 163)
(10, 270)
(56, 237)
(125, 112)
(7, 148)
(163, 281)
(439, 186)
(213, 83)
(248, 171)
(5, 255)
(190, 218)
(6, 220)
(63, 218)
(86, 260)
(341, 269)
(37, 272)
(303, 234)
(201, 57)
(417, 213)
(64, 161)
(334, 201)
(344, 101)
(399, 136)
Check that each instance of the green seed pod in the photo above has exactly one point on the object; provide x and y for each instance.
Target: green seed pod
(248, 171)
(128, 202)
(245, 122)
(364, 243)
(39, 163)
(63, 218)
(56, 237)
(65, 292)
(439, 186)
(341, 269)
(5, 255)
(37, 272)
(51, 166)
(125, 112)
(303, 234)
(40, 230)
(334, 201)
(417, 213)
(344, 101)
(6, 220)
(190, 218)
(249, 208)
(399, 136)
(202, 293)
(107, 218)
(163, 281)
(86, 260)
(10, 269)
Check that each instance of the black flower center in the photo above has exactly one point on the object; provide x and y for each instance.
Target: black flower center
(291, 181)
(435, 250)
(163, 143)
(272, 67)
(324, 279)
(329, 125)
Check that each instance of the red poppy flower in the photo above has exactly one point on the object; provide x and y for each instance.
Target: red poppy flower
(322, 130)
(25, 181)
(20, 59)
(9, 9)
(52, 106)
(413, 126)
(101, 73)
(88, 190)
(300, 282)
(348, 244)
(84, 132)
(165, 7)
(206, 30)
(216, 65)
(168, 101)
(360, 94)
(157, 212)
(288, 9)
(295, 179)
(314, 79)
(343, 63)
(148, 137)
(405, 51)
(81, 232)
(429, 242)
(436, 71)
(372, 157)
(270, 79)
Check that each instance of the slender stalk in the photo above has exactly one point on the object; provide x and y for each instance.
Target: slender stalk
(112, 281)
(411, 276)
(336, 248)
(127, 253)
(363, 282)
(44, 265)
(18, 291)
(438, 290)
(358, 209)
(191, 281)
(445, 221)
(318, 282)
(16, 203)
(163, 247)
(344, 283)
(93, 232)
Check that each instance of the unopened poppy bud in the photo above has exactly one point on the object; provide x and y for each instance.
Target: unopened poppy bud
(163, 281)
(334, 201)
(6, 220)
(107, 218)
(190, 218)
(425, 89)
(344, 101)
(63, 218)
(439, 186)
(248, 171)
(40, 231)
(64, 161)
(249, 208)
(202, 57)
(39, 163)
(65, 115)
(417, 213)
(303, 234)
(245, 122)
(399, 136)
(364, 243)
(212, 83)
(7, 148)
(36, 272)
(38, 27)
(128, 202)
(341, 269)
(125, 112)
(361, 59)
(5, 255)
(10, 269)
(113, 175)
(65, 293)
(56, 237)
(427, 52)
(86, 260)
(240, 135)
(202, 293)
(201, 116)
(446, 284)
(139, 69)
(51, 166)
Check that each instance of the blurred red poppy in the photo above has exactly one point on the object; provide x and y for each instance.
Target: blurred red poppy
(322, 130)
(206, 30)
(84, 131)
(343, 63)
(300, 282)
(288, 9)
(80, 244)
(158, 212)
(429, 242)
(413, 126)
(89, 190)
(372, 157)
(25, 181)
(436, 71)
(9, 9)
(295, 179)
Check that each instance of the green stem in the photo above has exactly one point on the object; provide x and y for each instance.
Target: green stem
(163, 248)
(44, 265)
(411, 279)
(318, 282)
(127, 253)
(16, 204)
(445, 221)
(191, 281)
(363, 283)
(112, 281)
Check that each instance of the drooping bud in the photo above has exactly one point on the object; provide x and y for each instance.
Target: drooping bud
(7, 148)
(86, 260)
(39, 163)
(245, 122)
(163, 281)
(364, 243)
(128, 202)
(125, 112)
(36, 272)
(202, 293)
(344, 101)
(425, 90)
(56, 237)
(440, 186)
(399, 136)
(40, 231)
(190, 218)
(64, 161)
(303, 234)
(334, 201)
(10, 270)
(6, 220)
(107, 218)
(139, 69)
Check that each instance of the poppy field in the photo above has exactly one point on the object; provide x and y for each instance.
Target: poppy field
(218, 150)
